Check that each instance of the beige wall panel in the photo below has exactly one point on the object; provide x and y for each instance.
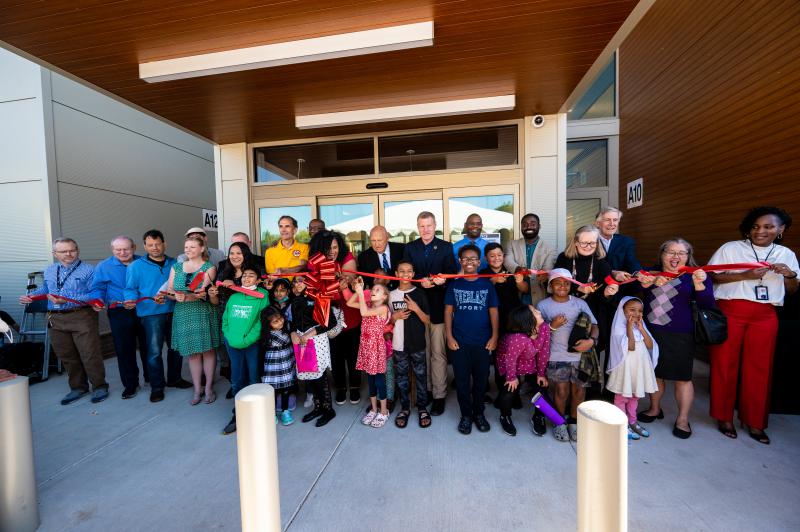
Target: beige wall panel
(22, 151)
(24, 217)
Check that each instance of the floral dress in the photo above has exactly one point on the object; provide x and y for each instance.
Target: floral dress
(372, 349)
(195, 324)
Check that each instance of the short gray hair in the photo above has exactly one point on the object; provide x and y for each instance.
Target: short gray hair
(606, 210)
(64, 240)
(123, 237)
(426, 214)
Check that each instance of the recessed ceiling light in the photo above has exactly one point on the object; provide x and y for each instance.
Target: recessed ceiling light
(407, 112)
(286, 53)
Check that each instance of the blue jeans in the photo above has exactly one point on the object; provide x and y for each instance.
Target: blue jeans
(377, 385)
(244, 366)
(157, 332)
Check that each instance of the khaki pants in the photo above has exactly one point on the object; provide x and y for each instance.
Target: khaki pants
(436, 355)
(75, 337)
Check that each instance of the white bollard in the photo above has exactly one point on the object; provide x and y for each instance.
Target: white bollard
(18, 508)
(602, 468)
(257, 450)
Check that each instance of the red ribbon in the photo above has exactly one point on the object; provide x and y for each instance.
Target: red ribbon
(738, 266)
(247, 291)
(321, 286)
(91, 302)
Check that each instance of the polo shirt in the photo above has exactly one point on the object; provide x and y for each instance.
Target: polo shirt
(278, 256)
(108, 284)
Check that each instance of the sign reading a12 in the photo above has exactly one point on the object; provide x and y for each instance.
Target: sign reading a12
(209, 220)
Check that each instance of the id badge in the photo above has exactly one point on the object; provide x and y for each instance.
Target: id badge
(762, 293)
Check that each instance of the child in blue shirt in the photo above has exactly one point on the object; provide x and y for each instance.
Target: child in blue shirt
(471, 326)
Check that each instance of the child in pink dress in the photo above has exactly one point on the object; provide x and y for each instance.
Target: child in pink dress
(372, 348)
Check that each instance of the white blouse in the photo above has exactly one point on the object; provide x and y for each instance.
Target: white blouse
(741, 251)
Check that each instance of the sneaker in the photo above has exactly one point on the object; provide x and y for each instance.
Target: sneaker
(438, 407)
(314, 414)
(355, 396)
(508, 425)
(292, 402)
(560, 432)
(572, 428)
(309, 402)
(631, 434)
(482, 424)
(640, 430)
(230, 428)
(73, 396)
(181, 384)
(368, 417)
(465, 425)
(129, 393)
(538, 423)
(286, 418)
(156, 396)
(341, 397)
(379, 421)
(326, 416)
(99, 395)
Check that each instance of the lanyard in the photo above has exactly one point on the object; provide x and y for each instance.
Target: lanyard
(59, 282)
(761, 280)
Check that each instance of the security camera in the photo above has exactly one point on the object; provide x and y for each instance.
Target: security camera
(538, 121)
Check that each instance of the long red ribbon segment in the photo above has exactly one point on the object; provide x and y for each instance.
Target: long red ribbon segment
(738, 266)
(247, 291)
(91, 302)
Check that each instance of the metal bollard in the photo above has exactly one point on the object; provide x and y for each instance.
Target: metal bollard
(18, 506)
(602, 468)
(257, 450)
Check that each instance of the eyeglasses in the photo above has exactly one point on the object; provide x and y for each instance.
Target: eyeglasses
(468, 260)
(66, 251)
(586, 245)
(676, 253)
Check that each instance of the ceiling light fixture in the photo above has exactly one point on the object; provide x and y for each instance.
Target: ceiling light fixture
(407, 112)
(287, 53)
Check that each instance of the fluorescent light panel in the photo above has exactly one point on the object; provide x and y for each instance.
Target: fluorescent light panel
(287, 53)
(407, 112)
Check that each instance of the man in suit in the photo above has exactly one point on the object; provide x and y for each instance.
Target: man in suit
(429, 255)
(381, 254)
(533, 253)
(620, 249)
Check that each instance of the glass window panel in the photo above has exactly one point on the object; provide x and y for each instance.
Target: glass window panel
(587, 163)
(448, 150)
(599, 101)
(321, 159)
(580, 212)
(496, 212)
(268, 222)
(353, 220)
(400, 218)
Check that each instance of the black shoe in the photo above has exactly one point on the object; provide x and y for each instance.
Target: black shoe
(229, 395)
(341, 396)
(438, 408)
(643, 417)
(129, 393)
(314, 414)
(326, 416)
(355, 396)
(156, 396)
(482, 423)
(507, 424)
(538, 423)
(680, 433)
(517, 402)
(465, 425)
(181, 384)
(230, 428)
(390, 405)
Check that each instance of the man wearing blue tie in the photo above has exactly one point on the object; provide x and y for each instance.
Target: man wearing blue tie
(381, 254)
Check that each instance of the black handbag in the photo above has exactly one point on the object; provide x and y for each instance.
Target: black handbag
(710, 325)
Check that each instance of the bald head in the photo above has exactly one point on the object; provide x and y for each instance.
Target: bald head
(473, 226)
(379, 238)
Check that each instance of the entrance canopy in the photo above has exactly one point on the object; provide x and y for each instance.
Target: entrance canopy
(536, 50)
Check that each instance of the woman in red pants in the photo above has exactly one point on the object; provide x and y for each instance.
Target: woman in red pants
(748, 299)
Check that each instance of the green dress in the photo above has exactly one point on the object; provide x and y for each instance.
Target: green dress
(195, 324)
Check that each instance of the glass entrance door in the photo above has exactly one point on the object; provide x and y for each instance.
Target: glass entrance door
(353, 216)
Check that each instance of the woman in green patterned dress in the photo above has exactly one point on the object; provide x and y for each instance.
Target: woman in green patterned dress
(195, 326)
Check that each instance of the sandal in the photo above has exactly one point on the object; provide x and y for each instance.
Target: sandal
(402, 419)
(211, 398)
(759, 435)
(424, 419)
(379, 421)
(730, 432)
(196, 399)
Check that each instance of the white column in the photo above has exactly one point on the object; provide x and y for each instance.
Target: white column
(233, 192)
(602, 468)
(18, 508)
(546, 176)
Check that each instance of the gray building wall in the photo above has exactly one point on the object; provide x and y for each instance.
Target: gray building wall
(75, 162)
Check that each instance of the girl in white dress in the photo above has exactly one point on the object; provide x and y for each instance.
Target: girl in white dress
(633, 357)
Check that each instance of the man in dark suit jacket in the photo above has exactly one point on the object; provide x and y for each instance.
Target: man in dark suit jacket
(430, 255)
(620, 249)
(381, 254)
